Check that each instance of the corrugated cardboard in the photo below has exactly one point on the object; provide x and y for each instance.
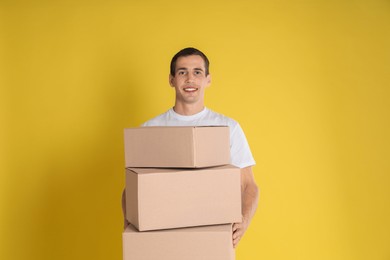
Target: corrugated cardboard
(195, 243)
(172, 198)
(177, 146)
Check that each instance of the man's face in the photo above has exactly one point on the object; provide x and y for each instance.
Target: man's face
(190, 79)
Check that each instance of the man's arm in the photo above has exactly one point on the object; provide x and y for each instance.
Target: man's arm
(250, 198)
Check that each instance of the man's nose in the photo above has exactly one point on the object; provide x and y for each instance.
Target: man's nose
(190, 77)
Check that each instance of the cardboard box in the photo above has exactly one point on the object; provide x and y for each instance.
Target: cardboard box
(172, 198)
(177, 146)
(195, 243)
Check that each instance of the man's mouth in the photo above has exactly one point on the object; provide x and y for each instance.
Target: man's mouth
(190, 89)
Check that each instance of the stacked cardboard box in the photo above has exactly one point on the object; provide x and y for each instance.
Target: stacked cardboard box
(181, 193)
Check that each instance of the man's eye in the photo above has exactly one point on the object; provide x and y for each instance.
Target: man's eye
(181, 72)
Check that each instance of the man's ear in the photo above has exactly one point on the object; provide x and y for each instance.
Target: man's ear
(171, 80)
(208, 80)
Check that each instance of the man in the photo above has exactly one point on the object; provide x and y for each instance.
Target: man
(189, 75)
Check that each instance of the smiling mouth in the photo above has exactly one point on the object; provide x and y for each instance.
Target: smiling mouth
(190, 89)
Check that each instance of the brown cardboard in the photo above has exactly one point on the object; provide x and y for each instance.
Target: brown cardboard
(177, 146)
(194, 243)
(158, 198)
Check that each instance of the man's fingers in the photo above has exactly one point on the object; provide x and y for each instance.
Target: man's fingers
(236, 226)
(235, 242)
(238, 231)
(237, 234)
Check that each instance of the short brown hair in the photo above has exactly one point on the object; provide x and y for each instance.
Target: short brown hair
(187, 52)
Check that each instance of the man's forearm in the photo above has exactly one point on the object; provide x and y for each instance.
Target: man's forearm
(249, 193)
(250, 199)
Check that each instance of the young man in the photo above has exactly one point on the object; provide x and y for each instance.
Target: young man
(190, 76)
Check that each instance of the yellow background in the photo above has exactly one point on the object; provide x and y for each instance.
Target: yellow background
(307, 80)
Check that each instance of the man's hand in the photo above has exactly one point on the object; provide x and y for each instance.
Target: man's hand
(239, 230)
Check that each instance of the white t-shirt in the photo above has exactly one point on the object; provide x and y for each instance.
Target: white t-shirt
(240, 152)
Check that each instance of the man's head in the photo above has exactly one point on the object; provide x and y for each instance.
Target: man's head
(190, 77)
(188, 52)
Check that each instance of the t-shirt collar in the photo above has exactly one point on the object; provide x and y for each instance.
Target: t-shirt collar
(187, 118)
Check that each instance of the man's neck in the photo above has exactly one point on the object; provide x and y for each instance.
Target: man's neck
(188, 109)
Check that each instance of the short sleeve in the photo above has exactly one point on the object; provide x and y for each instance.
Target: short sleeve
(241, 155)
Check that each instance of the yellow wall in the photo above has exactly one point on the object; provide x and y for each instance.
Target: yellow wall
(308, 81)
